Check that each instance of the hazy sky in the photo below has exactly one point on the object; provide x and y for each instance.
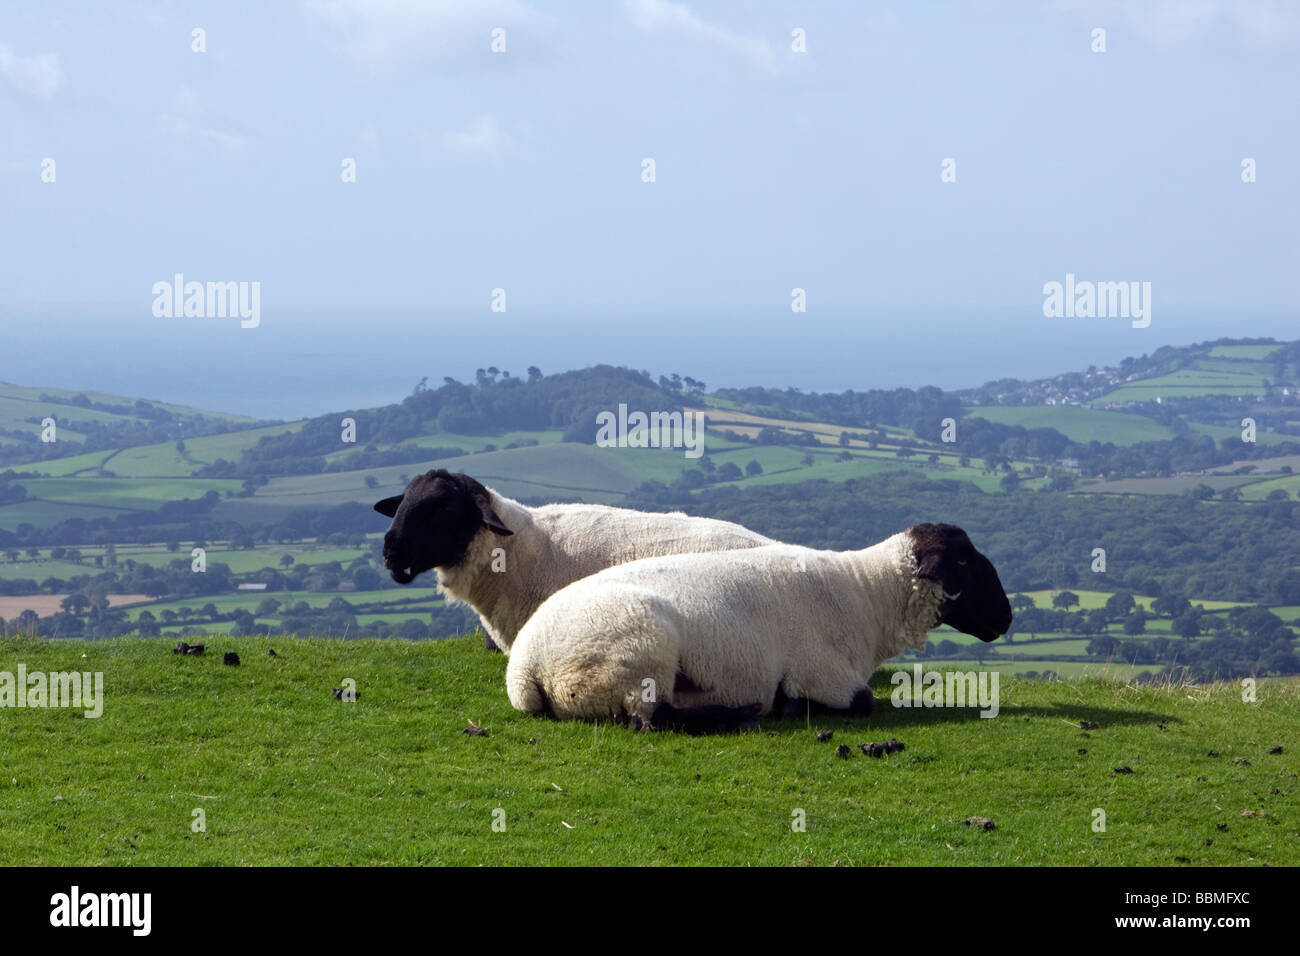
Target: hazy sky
(522, 170)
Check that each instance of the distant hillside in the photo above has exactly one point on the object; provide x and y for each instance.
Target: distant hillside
(119, 461)
(1223, 369)
(88, 420)
(1186, 506)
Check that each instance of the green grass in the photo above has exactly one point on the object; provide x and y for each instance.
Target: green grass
(161, 459)
(53, 500)
(288, 775)
(1261, 489)
(39, 571)
(564, 469)
(1077, 424)
(130, 494)
(16, 412)
(21, 403)
(1190, 381)
(32, 393)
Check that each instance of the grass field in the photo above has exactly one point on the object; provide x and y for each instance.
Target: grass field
(162, 460)
(47, 513)
(1077, 424)
(16, 413)
(22, 408)
(1188, 382)
(1260, 490)
(129, 494)
(32, 393)
(286, 774)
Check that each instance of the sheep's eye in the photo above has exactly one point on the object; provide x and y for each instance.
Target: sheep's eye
(962, 563)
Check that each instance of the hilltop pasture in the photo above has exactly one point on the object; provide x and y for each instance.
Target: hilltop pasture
(287, 775)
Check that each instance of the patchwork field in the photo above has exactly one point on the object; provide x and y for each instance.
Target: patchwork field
(62, 396)
(1076, 423)
(162, 460)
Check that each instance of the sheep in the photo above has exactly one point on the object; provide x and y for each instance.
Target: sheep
(504, 559)
(708, 642)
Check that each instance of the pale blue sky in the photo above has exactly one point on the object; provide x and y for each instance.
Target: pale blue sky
(522, 170)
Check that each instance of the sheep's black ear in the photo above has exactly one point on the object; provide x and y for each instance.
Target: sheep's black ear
(931, 566)
(388, 507)
(483, 498)
(491, 520)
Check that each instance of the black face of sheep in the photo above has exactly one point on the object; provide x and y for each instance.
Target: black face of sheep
(434, 521)
(974, 602)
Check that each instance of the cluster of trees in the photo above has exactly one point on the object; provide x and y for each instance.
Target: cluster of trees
(898, 406)
(1248, 641)
(137, 409)
(496, 402)
(1241, 551)
(1121, 608)
(10, 491)
(1228, 656)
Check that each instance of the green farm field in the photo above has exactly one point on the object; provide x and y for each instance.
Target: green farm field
(161, 459)
(1077, 424)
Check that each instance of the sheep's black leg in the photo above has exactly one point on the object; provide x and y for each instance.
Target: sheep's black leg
(490, 644)
(708, 719)
(784, 706)
(860, 706)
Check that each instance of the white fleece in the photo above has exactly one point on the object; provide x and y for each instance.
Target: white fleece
(555, 545)
(735, 625)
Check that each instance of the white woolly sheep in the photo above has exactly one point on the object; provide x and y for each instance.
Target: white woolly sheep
(706, 642)
(454, 524)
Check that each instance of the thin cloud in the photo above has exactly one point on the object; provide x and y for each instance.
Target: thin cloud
(662, 16)
(39, 77)
(1170, 24)
(484, 138)
(189, 118)
(382, 36)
